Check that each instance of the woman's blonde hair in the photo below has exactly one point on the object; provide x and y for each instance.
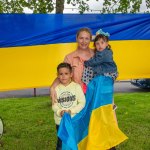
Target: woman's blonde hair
(86, 30)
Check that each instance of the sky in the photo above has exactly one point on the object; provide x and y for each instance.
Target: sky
(94, 7)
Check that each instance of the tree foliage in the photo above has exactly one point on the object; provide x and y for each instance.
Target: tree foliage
(47, 6)
(123, 6)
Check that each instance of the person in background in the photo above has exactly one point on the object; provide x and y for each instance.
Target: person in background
(70, 97)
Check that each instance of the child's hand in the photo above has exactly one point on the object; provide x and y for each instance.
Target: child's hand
(69, 111)
(62, 113)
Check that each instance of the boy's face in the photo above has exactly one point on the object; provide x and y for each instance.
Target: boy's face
(101, 44)
(64, 76)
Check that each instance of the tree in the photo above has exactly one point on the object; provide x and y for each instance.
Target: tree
(59, 6)
(47, 6)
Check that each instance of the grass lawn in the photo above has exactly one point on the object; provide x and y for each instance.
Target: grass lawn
(29, 124)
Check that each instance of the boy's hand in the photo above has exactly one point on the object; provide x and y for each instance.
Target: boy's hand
(62, 113)
(69, 111)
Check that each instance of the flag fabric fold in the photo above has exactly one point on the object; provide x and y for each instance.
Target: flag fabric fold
(95, 127)
(68, 133)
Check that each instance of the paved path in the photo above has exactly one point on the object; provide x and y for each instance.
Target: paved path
(120, 86)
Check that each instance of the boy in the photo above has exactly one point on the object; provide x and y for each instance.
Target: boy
(70, 97)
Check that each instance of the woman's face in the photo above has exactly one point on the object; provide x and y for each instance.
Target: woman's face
(83, 40)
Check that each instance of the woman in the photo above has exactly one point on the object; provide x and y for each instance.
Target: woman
(77, 58)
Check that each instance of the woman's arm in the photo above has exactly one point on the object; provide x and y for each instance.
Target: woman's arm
(52, 90)
(96, 60)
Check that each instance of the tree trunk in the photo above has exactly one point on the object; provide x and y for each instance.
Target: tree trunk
(59, 6)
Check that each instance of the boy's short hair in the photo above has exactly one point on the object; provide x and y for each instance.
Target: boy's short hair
(64, 65)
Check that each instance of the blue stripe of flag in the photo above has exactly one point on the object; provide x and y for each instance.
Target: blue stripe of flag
(39, 29)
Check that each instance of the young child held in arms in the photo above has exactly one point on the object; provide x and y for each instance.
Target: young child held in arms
(102, 63)
(70, 97)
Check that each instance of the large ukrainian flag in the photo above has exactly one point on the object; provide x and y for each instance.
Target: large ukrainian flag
(32, 45)
(95, 127)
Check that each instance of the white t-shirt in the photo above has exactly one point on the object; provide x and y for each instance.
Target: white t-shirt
(70, 97)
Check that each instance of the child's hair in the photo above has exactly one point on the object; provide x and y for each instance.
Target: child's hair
(101, 36)
(64, 65)
(86, 30)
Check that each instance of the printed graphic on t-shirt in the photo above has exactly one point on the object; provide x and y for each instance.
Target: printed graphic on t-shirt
(66, 99)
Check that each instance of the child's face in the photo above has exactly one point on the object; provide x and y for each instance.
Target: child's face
(64, 76)
(101, 44)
